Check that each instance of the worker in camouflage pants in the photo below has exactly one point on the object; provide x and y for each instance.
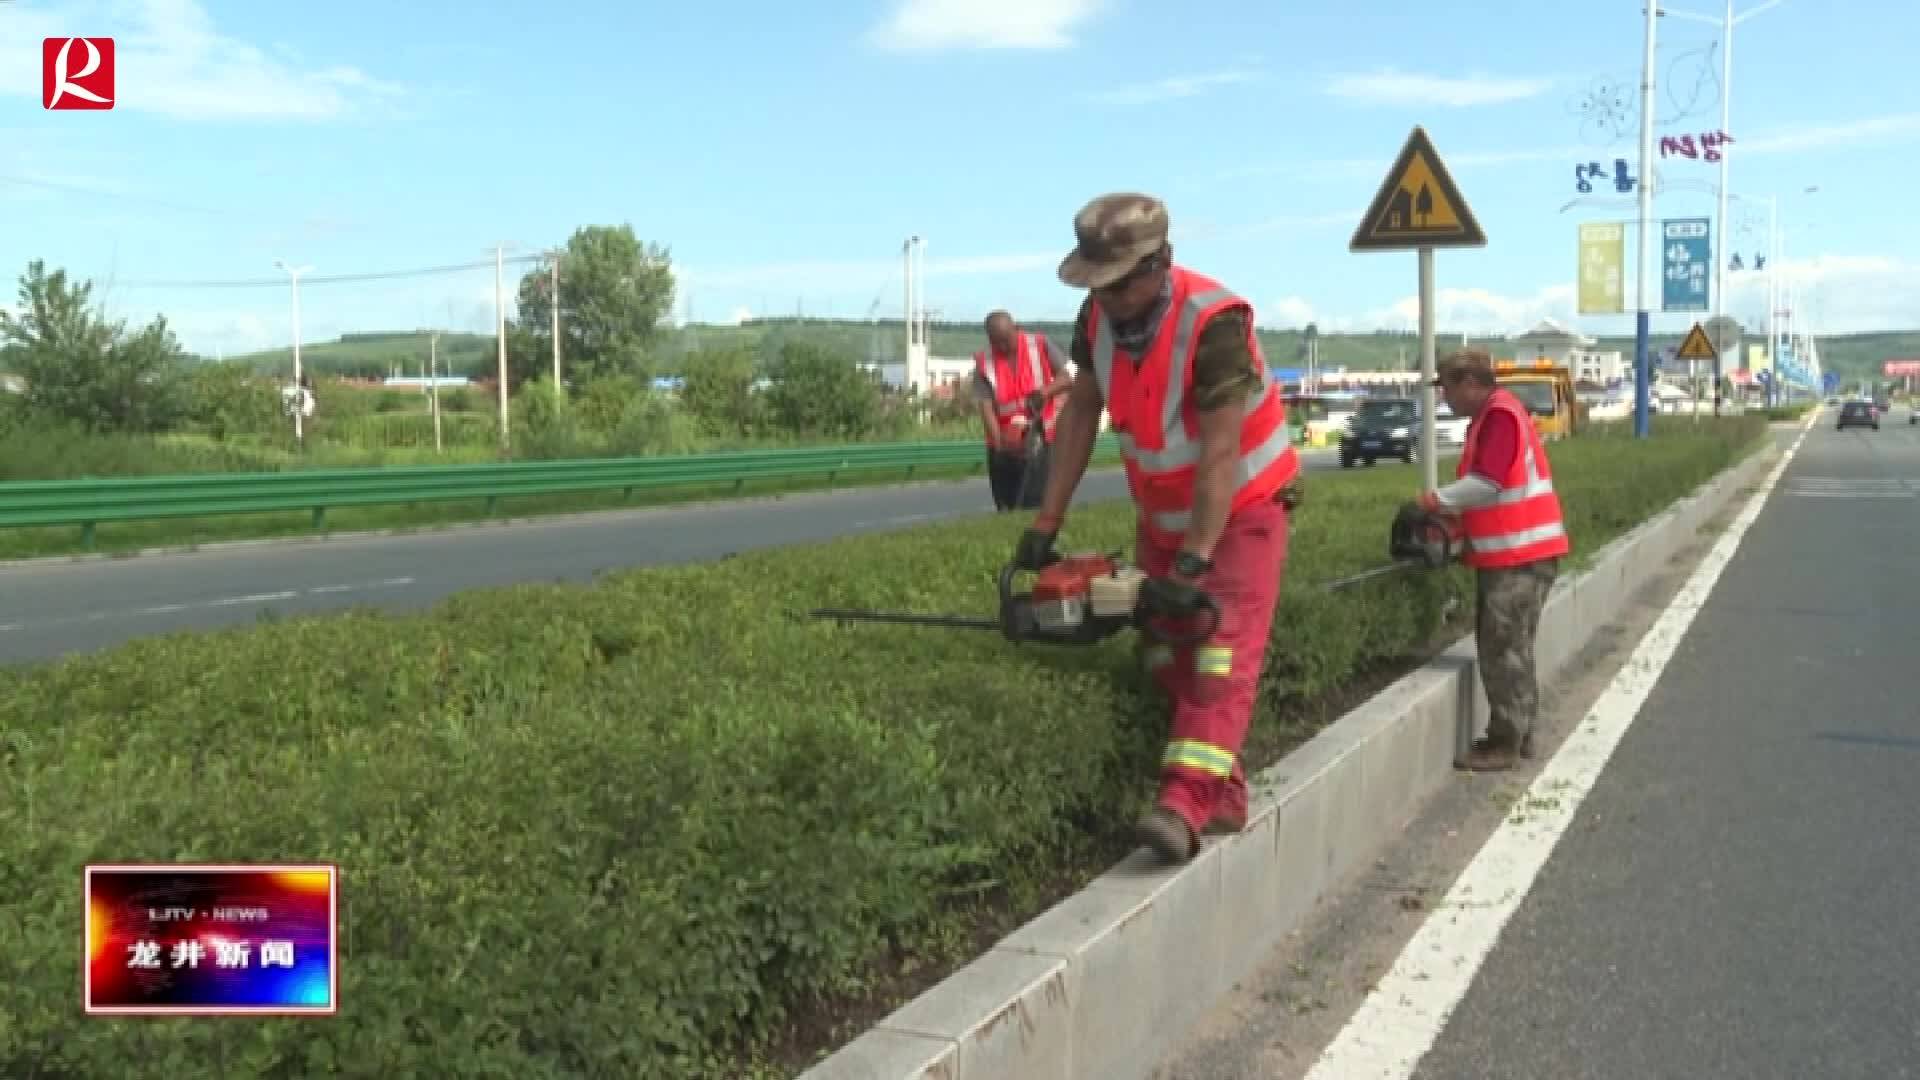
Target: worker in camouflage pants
(1504, 499)
(1507, 605)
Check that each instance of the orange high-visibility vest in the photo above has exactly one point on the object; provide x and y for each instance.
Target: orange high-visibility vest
(1150, 408)
(1523, 524)
(1012, 380)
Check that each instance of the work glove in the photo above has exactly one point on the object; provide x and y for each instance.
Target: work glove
(1035, 550)
(1171, 599)
(1036, 401)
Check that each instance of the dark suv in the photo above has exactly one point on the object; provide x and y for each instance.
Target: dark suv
(1381, 428)
(1858, 414)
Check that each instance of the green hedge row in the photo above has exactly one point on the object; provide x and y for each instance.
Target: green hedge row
(633, 829)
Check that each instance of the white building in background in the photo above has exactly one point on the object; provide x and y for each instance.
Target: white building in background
(935, 373)
(1576, 352)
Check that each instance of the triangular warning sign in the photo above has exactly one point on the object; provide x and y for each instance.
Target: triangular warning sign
(1698, 345)
(1418, 206)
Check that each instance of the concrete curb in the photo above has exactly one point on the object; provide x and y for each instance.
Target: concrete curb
(1102, 984)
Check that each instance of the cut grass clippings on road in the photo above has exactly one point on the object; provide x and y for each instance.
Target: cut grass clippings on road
(659, 828)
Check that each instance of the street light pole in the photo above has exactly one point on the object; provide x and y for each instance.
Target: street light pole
(1643, 322)
(1727, 22)
(553, 282)
(299, 386)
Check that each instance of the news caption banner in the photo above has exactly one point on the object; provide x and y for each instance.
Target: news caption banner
(194, 940)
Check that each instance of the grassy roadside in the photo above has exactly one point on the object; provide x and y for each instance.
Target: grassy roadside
(659, 829)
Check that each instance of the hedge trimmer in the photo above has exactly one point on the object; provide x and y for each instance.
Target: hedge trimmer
(1085, 599)
(1035, 441)
(1417, 540)
(1078, 600)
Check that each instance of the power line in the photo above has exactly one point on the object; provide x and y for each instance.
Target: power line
(324, 279)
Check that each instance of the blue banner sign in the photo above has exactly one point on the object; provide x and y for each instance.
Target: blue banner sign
(1688, 254)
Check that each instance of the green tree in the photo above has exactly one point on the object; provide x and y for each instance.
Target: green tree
(614, 294)
(603, 403)
(230, 399)
(719, 390)
(816, 391)
(83, 369)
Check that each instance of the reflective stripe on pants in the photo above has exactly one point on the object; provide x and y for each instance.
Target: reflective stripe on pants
(1215, 685)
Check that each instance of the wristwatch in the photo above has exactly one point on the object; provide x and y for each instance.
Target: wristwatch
(1191, 566)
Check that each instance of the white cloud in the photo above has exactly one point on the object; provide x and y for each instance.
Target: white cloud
(1287, 313)
(1892, 128)
(862, 273)
(171, 59)
(1179, 86)
(926, 25)
(1389, 87)
(1838, 294)
(224, 333)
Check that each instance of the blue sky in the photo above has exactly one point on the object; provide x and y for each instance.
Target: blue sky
(783, 152)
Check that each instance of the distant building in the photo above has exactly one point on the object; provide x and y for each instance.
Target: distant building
(1556, 343)
(421, 382)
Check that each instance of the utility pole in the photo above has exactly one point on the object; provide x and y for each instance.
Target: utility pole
(1643, 321)
(433, 383)
(299, 385)
(1773, 294)
(500, 334)
(553, 281)
(1727, 22)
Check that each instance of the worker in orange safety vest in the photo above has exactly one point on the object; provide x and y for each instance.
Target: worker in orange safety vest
(1172, 357)
(1018, 378)
(1504, 499)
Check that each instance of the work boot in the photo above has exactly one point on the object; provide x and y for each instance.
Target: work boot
(1168, 834)
(1229, 810)
(1497, 755)
(1227, 822)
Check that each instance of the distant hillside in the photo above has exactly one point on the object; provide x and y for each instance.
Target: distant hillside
(1854, 356)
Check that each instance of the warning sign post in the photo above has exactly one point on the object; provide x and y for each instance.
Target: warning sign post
(1419, 208)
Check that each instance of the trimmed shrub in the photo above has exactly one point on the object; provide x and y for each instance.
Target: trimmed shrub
(630, 829)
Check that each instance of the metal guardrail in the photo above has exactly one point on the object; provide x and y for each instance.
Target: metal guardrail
(87, 503)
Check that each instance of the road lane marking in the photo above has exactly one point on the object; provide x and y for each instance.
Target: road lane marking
(217, 602)
(1397, 1024)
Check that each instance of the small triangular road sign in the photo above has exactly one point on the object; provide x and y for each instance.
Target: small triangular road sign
(1698, 345)
(1418, 206)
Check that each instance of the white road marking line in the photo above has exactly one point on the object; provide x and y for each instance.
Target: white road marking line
(218, 602)
(1408, 1008)
(1850, 494)
(256, 598)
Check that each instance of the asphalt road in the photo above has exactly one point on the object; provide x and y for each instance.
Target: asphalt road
(1735, 897)
(51, 608)
(1732, 896)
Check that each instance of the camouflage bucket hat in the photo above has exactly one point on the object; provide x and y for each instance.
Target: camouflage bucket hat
(1114, 232)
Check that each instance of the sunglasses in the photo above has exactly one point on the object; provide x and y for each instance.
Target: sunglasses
(1140, 270)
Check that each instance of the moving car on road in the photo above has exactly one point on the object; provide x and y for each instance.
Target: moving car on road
(1858, 414)
(1381, 428)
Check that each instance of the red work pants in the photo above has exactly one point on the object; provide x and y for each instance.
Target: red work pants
(1214, 684)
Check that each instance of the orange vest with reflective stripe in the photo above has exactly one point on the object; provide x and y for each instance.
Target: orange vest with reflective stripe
(1013, 380)
(1150, 407)
(1523, 523)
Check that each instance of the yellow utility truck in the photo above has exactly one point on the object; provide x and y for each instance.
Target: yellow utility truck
(1546, 389)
